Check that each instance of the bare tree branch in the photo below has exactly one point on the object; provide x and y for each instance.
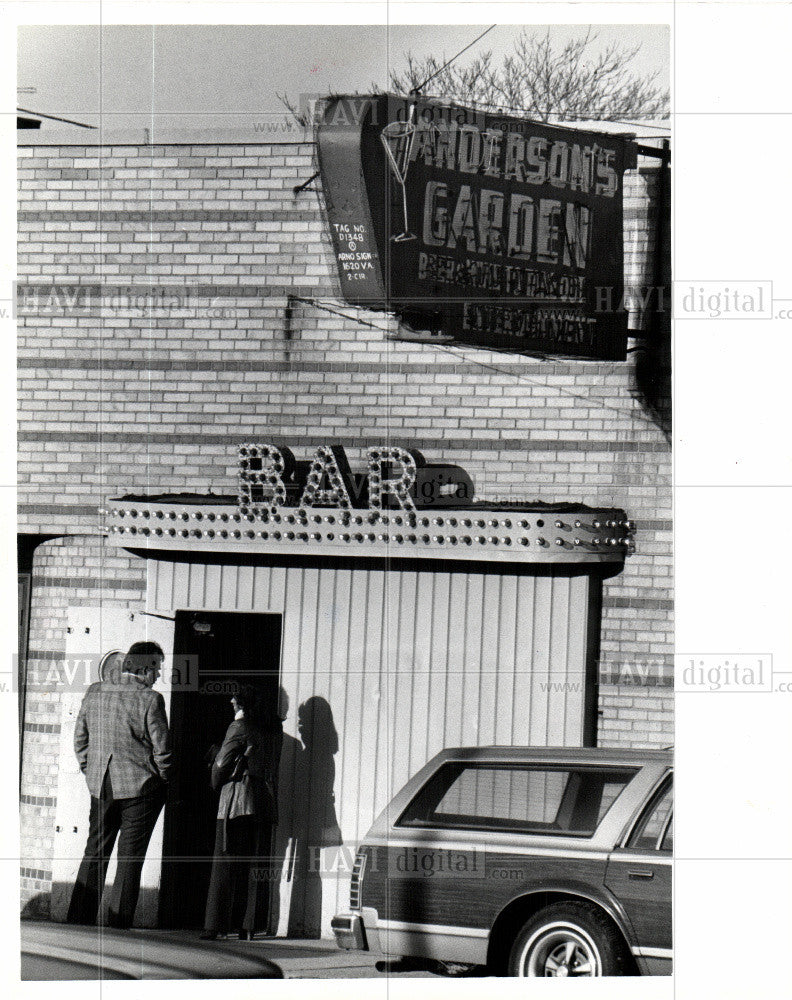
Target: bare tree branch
(571, 82)
(540, 78)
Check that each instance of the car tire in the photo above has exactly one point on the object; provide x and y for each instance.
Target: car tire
(568, 939)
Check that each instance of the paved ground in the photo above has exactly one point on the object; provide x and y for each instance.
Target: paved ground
(62, 951)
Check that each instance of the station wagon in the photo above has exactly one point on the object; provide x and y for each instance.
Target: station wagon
(526, 861)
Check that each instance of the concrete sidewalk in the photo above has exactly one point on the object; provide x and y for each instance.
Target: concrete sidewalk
(63, 951)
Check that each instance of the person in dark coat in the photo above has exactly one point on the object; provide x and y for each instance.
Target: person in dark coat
(122, 744)
(244, 773)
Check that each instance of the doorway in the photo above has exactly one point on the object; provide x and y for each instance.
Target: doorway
(228, 647)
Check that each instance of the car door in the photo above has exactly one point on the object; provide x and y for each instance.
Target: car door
(639, 875)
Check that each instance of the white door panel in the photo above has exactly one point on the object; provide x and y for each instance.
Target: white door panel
(92, 632)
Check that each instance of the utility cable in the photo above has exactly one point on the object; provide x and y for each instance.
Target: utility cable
(456, 352)
(419, 88)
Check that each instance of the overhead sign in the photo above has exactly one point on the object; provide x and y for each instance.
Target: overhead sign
(270, 478)
(481, 228)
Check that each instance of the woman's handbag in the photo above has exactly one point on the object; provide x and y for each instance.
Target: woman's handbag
(240, 768)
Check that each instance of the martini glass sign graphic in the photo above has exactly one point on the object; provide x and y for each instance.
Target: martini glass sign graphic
(397, 140)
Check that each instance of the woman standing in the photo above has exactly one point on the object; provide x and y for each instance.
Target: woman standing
(243, 772)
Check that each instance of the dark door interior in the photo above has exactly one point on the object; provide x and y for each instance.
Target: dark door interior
(230, 647)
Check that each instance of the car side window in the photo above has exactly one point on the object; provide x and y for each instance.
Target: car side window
(528, 799)
(651, 827)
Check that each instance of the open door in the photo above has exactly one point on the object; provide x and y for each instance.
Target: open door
(228, 648)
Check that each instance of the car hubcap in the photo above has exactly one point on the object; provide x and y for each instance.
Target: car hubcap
(561, 951)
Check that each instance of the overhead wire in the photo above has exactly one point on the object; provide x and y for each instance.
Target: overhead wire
(419, 88)
(456, 351)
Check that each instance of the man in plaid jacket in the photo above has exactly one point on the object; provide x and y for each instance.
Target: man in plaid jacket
(122, 743)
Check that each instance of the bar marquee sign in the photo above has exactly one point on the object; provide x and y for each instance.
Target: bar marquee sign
(401, 506)
(479, 228)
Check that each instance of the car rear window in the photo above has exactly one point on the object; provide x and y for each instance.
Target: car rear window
(522, 798)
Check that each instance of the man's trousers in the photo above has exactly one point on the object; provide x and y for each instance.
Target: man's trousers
(132, 820)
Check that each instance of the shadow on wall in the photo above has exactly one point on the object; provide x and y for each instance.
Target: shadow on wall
(652, 378)
(307, 816)
(37, 907)
(652, 357)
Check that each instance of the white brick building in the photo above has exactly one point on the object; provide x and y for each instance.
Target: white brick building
(178, 299)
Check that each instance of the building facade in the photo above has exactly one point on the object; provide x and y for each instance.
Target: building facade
(178, 299)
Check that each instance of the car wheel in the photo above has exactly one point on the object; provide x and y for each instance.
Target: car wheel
(568, 939)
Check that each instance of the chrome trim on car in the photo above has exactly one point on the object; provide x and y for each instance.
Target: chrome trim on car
(450, 930)
(522, 848)
(643, 859)
(653, 953)
(358, 870)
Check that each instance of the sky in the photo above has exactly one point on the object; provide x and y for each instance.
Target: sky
(203, 76)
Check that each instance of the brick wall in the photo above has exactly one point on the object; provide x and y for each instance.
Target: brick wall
(197, 307)
(640, 715)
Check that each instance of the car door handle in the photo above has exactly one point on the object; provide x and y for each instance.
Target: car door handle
(643, 873)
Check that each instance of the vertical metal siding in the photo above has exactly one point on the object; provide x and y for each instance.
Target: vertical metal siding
(410, 662)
